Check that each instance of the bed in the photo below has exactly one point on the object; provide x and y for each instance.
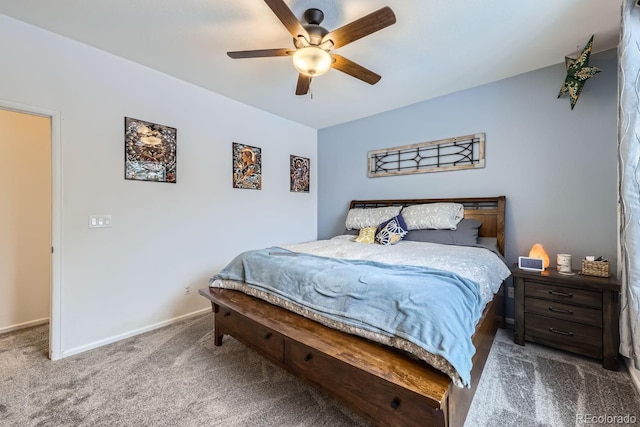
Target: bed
(384, 378)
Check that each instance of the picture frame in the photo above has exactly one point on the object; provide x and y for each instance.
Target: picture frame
(299, 173)
(150, 151)
(247, 166)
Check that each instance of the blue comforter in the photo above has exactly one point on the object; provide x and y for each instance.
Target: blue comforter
(434, 309)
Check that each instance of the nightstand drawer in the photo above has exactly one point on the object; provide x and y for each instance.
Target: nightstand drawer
(563, 295)
(558, 310)
(569, 336)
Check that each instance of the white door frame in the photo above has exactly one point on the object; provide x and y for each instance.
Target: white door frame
(55, 316)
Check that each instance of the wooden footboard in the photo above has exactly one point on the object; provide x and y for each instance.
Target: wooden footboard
(382, 384)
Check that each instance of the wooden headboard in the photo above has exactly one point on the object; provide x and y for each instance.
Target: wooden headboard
(488, 210)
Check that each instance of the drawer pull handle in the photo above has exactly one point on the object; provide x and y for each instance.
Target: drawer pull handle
(395, 403)
(227, 314)
(561, 294)
(308, 357)
(560, 332)
(558, 310)
(268, 335)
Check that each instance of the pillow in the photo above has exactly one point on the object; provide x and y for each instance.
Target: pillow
(370, 217)
(439, 216)
(489, 242)
(392, 231)
(367, 235)
(465, 234)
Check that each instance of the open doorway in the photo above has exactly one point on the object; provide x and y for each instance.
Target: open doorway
(28, 271)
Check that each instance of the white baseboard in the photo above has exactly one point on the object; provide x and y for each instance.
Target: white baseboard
(634, 373)
(113, 339)
(37, 322)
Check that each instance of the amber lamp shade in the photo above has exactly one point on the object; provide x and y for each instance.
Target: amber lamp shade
(537, 251)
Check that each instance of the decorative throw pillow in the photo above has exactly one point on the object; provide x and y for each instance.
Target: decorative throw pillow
(392, 231)
(437, 216)
(358, 218)
(367, 235)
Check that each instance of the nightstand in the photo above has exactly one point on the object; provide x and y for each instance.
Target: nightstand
(573, 313)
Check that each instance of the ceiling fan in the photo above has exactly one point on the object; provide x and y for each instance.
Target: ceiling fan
(313, 43)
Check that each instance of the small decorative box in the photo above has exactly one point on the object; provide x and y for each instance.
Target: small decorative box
(595, 268)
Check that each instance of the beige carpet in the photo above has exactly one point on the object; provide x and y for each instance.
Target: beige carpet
(175, 376)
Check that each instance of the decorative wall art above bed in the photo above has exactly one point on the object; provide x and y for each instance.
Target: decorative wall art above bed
(462, 152)
(247, 167)
(150, 151)
(299, 173)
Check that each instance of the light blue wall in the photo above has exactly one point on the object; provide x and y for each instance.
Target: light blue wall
(557, 167)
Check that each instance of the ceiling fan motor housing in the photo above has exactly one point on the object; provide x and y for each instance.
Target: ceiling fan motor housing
(313, 17)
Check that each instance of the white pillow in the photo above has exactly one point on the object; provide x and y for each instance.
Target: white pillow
(438, 216)
(358, 218)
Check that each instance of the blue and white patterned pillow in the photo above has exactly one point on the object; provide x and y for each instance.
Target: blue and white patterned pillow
(391, 231)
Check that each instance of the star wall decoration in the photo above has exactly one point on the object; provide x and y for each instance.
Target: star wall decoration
(578, 72)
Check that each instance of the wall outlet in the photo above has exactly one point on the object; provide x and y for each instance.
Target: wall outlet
(187, 289)
(510, 291)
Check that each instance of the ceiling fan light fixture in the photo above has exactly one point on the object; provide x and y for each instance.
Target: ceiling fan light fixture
(312, 61)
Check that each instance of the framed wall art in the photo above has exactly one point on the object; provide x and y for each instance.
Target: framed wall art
(461, 152)
(247, 167)
(299, 172)
(150, 151)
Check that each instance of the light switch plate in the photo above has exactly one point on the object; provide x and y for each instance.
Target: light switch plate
(100, 221)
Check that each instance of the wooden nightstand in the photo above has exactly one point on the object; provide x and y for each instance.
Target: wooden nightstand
(573, 313)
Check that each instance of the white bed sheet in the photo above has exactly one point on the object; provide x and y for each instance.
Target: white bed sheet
(475, 263)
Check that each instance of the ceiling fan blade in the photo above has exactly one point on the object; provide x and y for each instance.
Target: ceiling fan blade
(362, 27)
(303, 84)
(347, 66)
(262, 53)
(286, 16)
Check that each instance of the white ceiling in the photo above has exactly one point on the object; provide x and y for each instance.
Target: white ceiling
(436, 47)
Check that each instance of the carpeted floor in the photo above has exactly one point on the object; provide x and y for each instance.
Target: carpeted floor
(175, 376)
(538, 386)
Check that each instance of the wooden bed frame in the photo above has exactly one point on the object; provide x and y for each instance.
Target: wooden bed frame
(380, 383)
